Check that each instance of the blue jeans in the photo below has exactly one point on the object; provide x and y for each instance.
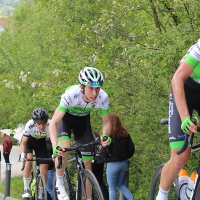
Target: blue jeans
(115, 175)
(50, 182)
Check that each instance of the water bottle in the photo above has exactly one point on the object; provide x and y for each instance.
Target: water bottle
(190, 184)
(183, 182)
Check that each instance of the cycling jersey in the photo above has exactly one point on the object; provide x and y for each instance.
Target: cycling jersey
(192, 58)
(72, 102)
(31, 129)
(77, 117)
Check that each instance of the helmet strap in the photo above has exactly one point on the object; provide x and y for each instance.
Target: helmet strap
(83, 92)
(83, 89)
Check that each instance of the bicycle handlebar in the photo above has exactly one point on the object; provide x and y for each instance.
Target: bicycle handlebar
(188, 138)
(35, 159)
(78, 147)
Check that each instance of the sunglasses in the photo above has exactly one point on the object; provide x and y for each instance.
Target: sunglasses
(96, 84)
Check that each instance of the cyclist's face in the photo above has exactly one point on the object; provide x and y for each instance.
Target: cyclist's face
(41, 127)
(91, 92)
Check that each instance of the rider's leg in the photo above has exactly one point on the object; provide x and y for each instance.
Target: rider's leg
(170, 171)
(61, 192)
(43, 170)
(88, 165)
(60, 172)
(27, 176)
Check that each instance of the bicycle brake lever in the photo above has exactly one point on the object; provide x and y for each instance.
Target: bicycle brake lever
(59, 162)
(186, 139)
(104, 139)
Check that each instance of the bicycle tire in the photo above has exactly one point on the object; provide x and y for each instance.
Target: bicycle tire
(96, 190)
(40, 179)
(174, 191)
(197, 193)
(66, 187)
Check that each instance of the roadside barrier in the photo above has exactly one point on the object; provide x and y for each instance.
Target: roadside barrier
(7, 180)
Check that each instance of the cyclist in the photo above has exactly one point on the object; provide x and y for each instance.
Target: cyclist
(184, 98)
(73, 114)
(34, 138)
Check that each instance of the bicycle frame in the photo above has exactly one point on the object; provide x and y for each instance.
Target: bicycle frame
(81, 171)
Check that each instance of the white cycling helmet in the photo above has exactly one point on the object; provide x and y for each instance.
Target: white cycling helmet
(91, 76)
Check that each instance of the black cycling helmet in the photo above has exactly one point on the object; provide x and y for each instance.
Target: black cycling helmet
(39, 115)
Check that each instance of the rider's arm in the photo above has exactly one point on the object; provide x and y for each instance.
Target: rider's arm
(23, 144)
(181, 74)
(57, 116)
(106, 124)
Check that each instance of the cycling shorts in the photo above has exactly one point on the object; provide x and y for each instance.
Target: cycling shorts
(81, 128)
(39, 147)
(192, 95)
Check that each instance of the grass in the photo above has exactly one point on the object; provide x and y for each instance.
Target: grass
(16, 187)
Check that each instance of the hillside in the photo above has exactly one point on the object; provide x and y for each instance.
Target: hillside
(136, 44)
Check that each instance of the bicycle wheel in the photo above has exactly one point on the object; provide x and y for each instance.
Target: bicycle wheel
(87, 175)
(72, 197)
(40, 193)
(174, 191)
(197, 193)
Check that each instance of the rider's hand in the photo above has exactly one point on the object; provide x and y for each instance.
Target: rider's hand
(55, 150)
(186, 123)
(22, 157)
(107, 142)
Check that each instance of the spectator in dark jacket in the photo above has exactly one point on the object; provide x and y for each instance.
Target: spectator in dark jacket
(7, 146)
(117, 150)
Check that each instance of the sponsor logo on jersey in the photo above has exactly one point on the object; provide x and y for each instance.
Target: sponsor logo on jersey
(76, 96)
(31, 126)
(86, 153)
(197, 80)
(105, 101)
(181, 136)
(172, 138)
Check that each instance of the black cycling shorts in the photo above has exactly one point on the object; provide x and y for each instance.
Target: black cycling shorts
(192, 95)
(39, 147)
(81, 128)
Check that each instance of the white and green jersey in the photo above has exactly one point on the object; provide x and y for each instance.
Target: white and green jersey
(73, 103)
(192, 58)
(31, 129)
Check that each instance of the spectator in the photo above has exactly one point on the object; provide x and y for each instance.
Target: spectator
(7, 146)
(116, 153)
(98, 168)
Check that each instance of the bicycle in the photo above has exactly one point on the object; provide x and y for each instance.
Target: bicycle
(174, 191)
(37, 179)
(78, 191)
